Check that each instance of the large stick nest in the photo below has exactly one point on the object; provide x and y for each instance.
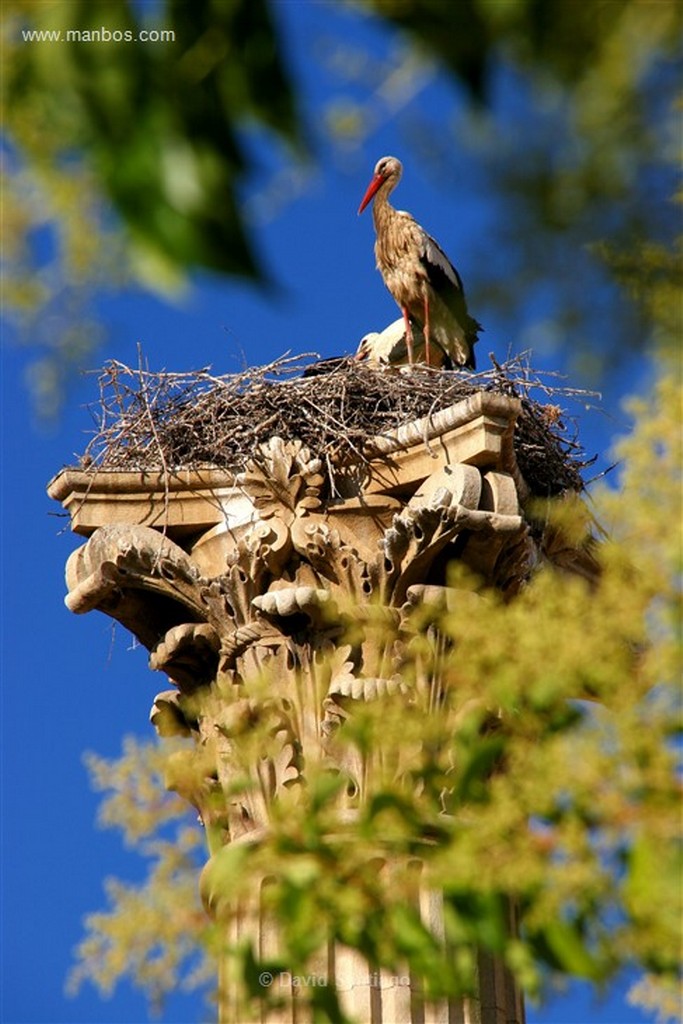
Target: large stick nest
(164, 421)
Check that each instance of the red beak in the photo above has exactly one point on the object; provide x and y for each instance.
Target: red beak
(372, 188)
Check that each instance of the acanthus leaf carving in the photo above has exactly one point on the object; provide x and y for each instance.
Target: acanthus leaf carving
(316, 542)
(188, 654)
(285, 476)
(168, 717)
(414, 540)
(268, 545)
(137, 576)
(313, 602)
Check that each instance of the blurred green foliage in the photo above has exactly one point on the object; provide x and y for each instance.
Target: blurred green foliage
(127, 162)
(124, 160)
(158, 124)
(154, 936)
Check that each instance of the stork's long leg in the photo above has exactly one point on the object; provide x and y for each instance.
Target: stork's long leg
(409, 334)
(426, 329)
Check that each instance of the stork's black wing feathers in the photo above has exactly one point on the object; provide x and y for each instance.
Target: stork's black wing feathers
(447, 283)
(439, 268)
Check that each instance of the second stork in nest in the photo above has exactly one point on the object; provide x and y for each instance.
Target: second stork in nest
(419, 275)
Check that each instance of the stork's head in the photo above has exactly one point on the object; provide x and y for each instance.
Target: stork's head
(365, 346)
(387, 346)
(387, 169)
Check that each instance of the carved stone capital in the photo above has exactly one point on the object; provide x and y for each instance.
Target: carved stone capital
(249, 573)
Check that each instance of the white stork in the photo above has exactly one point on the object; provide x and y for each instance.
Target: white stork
(419, 275)
(390, 348)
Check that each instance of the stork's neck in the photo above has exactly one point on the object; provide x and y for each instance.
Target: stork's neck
(382, 210)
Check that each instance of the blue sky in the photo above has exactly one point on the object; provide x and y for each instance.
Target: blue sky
(71, 684)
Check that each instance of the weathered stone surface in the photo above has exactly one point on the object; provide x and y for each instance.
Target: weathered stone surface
(181, 502)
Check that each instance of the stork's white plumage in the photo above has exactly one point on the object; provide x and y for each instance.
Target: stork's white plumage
(390, 347)
(419, 275)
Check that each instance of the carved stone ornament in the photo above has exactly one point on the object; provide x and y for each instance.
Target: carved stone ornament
(227, 577)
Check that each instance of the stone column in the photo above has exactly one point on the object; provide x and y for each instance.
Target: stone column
(222, 576)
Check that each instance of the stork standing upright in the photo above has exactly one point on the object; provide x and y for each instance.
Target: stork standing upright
(419, 275)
